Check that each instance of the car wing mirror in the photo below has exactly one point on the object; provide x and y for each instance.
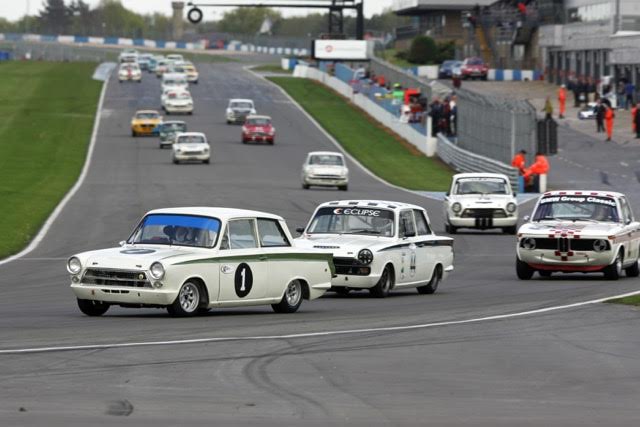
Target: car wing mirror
(409, 234)
(447, 194)
(300, 230)
(122, 242)
(526, 218)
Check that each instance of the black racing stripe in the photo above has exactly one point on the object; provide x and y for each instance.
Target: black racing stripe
(420, 244)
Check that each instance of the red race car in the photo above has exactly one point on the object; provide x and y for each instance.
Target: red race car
(258, 128)
(473, 68)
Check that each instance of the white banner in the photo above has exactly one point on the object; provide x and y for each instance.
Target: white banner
(340, 49)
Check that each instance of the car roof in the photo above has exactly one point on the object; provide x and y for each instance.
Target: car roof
(240, 100)
(167, 76)
(220, 213)
(192, 134)
(480, 175)
(258, 116)
(395, 206)
(583, 193)
(325, 153)
(147, 111)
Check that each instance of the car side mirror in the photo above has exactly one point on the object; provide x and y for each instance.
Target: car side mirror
(300, 230)
(526, 218)
(447, 194)
(122, 242)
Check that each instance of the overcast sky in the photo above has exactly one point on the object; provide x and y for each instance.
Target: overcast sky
(15, 9)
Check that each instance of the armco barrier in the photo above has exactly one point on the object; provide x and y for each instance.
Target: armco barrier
(111, 41)
(465, 161)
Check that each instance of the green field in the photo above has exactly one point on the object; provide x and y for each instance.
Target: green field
(633, 300)
(47, 115)
(379, 150)
(271, 68)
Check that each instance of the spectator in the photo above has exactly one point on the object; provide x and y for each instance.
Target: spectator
(636, 120)
(583, 96)
(435, 112)
(620, 93)
(600, 109)
(573, 87)
(562, 100)
(634, 111)
(608, 118)
(629, 91)
(520, 161)
(548, 109)
(453, 116)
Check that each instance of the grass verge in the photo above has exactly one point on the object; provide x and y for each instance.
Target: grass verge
(376, 147)
(390, 55)
(47, 115)
(271, 68)
(632, 300)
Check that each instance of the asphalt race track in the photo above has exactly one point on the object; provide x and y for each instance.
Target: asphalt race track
(575, 366)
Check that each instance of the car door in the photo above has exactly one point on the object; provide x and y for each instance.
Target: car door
(427, 253)
(277, 248)
(408, 262)
(243, 266)
(630, 230)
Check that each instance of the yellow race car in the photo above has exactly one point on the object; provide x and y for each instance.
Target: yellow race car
(146, 122)
(191, 72)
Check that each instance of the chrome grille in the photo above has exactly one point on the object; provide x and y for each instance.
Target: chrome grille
(106, 277)
(484, 212)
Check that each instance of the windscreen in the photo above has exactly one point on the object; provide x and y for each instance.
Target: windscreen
(190, 139)
(174, 127)
(181, 230)
(352, 220)
(577, 208)
(259, 122)
(481, 186)
(242, 105)
(147, 116)
(326, 160)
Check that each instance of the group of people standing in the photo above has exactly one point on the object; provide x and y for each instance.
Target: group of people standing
(531, 174)
(444, 116)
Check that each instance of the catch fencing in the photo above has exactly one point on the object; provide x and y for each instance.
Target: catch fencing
(495, 127)
(394, 74)
(58, 52)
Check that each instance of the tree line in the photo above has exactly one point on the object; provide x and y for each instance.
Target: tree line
(111, 19)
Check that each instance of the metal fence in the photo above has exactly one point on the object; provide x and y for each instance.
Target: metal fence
(39, 51)
(495, 127)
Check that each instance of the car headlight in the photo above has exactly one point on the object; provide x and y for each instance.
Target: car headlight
(600, 245)
(365, 256)
(511, 207)
(456, 207)
(528, 243)
(74, 266)
(156, 271)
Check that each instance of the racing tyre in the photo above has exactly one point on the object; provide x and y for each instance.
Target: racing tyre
(188, 301)
(305, 186)
(633, 270)
(544, 273)
(341, 290)
(614, 270)
(291, 299)
(139, 81)
(343, 188)
(432, 286)
(450, 229)
(92, 308)
(510, 230)
(381, 289)
(523, 270)
(133, 133)
(175, 161)
(206, 162)
(272, 142)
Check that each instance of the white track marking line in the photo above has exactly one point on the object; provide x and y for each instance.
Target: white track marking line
(311, 334)
(85, 169)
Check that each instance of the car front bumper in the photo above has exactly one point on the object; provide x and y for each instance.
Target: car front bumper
(258, 137)
(178, 108)
(545, 259)
(355, 281)
(187, 156)
(483, 222)
(145, 129)
(124, 295)
(325, 182)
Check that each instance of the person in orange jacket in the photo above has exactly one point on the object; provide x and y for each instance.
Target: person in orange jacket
(562, 100)
(539, 167)
(634, 111)
(519, 161)
(608, 120)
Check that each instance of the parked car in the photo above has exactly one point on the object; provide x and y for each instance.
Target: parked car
(191, 146)
(145, 122)
(325, 169)
(258, 128)
(238, 110)
(169, 130)
(474, 68)
(379, 246)
(129, 71)
(481, 201)
(189, 260)
(579, 231)
(447, 67)
(589, 112)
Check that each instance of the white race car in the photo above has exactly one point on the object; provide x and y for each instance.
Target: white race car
(325, 169)
(129, 71)
(191, 146)
(128, 55)
(579, 231)
(238, 110)
(175, 57)
(379, 246)
(176, 81)
(178, 101)
(189, 260)
(481, 201)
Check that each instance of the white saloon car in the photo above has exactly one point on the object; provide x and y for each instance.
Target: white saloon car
(128, 55)
(481, 201)
(129, 71)
(579, 231)
(238, 110)
(325, 169)
(174, 80)
(188, 260)
(178, 101)
(379, 246)
(191, 146)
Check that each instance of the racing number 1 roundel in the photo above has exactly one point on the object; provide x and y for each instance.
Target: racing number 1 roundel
(243, 280)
